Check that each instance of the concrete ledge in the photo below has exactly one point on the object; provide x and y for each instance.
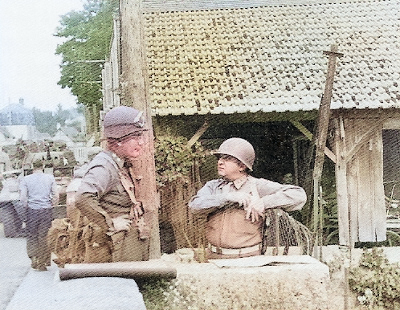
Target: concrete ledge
(336, 253)
(287, 282)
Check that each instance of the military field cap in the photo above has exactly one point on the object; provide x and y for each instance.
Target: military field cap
(122, 121)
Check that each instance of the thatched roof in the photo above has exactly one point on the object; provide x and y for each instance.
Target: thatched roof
(261, 56)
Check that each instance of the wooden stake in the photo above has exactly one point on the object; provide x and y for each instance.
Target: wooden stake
(321, 134)
(324, 113)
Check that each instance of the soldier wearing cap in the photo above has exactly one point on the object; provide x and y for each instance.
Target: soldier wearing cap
(235, 203)
(106, 193)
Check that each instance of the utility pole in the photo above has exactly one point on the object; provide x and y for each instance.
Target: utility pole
(320, 142)
(134, 92)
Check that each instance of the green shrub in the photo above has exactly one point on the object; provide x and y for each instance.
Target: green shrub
(376, 281)
(174, 159)
(153, 292)
(162, 294)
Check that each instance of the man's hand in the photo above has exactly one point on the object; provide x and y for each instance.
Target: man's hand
(137, 211)
(122, 223)
(255, 210)
(243, 199)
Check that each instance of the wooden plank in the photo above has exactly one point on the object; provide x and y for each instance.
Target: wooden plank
(198, 134)
(365, 193)
(379, 208)
(365, 181)
(341, 185)
(343, 203)
(358, 143)
(352, 186)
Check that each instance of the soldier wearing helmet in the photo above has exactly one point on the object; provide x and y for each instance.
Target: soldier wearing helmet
(106, 195)
(235, 203)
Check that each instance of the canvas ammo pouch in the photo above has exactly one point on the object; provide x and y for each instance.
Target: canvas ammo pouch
(85, 243)
(98, 245)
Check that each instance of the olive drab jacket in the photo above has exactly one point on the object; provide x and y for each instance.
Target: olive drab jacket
(102, 196)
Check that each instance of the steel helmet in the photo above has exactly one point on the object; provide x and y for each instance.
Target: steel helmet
(121, 121)
(240, 149)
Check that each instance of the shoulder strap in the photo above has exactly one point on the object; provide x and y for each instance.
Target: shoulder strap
(128, 184)
(126, 180)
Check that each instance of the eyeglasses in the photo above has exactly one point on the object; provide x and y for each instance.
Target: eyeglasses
(225, 157)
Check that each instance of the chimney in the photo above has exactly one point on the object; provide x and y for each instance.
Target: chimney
(21, 101)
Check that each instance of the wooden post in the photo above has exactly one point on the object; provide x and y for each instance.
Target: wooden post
(134, 92)
(321, 134)
(341, 183)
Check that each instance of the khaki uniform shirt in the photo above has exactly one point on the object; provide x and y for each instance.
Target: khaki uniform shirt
(226, 223)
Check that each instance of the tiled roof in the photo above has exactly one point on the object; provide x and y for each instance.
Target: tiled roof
(269, 58)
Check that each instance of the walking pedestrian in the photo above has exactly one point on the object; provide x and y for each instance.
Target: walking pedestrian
(39, 195)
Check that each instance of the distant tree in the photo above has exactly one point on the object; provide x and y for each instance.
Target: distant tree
(88, 37)
(61, 115)
(45, 122)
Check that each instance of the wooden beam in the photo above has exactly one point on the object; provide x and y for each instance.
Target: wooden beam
(198, 134)
(309, 136)
(302, 129)
(240, 118)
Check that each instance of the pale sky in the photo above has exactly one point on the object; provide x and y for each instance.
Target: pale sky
(29, 69)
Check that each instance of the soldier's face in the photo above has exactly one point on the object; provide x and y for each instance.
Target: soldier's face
(131, 147)
(229, 168)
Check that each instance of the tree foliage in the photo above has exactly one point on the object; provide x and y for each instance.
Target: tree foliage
(87, 36)
(174, 159)
(46, 121)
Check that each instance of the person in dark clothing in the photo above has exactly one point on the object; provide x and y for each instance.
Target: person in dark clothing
(38, 195)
